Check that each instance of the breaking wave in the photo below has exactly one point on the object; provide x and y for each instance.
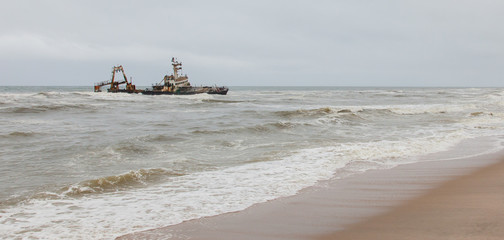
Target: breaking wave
(296, 119)
(124, 181)
(333, 112)
(305, 112)
(375, 110)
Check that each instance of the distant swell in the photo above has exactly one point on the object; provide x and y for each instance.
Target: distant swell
(21, 134)
(48, 94)
(478, 114)
(261, 128)
(220, 101)
(46, 108)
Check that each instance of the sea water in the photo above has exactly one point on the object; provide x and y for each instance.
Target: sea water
(75, 164)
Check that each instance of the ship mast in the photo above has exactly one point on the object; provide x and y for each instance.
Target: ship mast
(176, 66)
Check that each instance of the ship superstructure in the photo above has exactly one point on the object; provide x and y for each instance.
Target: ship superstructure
(179, 84)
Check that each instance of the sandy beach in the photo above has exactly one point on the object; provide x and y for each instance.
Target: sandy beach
(450, 199)
(468, 207)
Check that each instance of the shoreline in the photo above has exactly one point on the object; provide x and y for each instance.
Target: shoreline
(321, 211)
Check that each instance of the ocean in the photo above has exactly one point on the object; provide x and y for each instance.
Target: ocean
(75, 164)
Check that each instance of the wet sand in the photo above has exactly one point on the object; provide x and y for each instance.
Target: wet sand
(380, 204)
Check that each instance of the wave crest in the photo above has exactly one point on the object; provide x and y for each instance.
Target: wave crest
(305, 112)
(124, 181)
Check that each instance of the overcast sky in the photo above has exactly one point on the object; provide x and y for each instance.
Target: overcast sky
(249, 43)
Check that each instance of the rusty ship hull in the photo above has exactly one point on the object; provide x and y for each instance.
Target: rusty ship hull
(189, 91)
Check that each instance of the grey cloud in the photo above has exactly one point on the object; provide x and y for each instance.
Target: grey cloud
(357, 43)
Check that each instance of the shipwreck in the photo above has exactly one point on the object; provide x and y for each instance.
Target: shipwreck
(174, 84)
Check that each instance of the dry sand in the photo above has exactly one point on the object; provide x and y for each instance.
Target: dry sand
(469, 207)
(371, 206)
